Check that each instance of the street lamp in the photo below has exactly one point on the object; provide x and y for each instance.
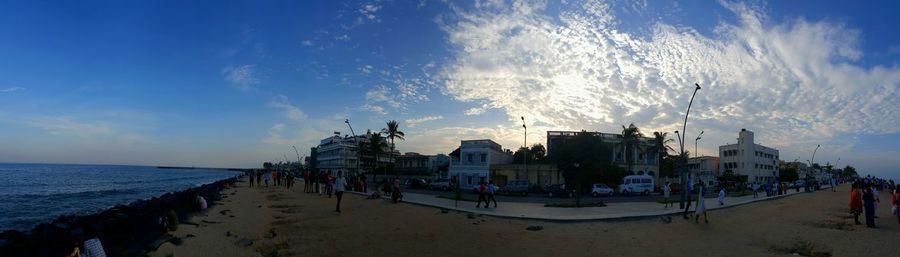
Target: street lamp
(684, 195)
(525, 151)
(358, 150)
(696, 153)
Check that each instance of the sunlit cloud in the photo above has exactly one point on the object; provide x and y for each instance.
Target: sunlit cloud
(11, 89)
(243, 77)
(795, 83)
(417, 121)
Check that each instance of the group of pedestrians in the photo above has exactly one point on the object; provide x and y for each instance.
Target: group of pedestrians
(700, 208)
(279, 178)
(486, 193)
(864, 199)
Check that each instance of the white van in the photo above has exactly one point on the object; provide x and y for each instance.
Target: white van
(636, 184)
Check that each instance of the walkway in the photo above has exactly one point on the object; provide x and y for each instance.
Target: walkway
(610, 211)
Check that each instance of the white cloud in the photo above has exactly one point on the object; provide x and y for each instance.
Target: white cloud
(795, 84)
(306, 42)
(11, 89)
(243, 77)
(290, 111)
(414, 122)
(366, 69)
(369, 10)
(75, 129)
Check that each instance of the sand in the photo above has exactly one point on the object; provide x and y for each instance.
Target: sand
(281, 222)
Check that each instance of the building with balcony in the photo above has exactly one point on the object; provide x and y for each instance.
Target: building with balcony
(471, 163)
(337, 153)
(746, 158)
(704, 168)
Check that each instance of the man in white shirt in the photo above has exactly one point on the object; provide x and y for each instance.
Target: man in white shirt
(339, 183)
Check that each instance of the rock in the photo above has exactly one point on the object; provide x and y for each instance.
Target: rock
(190, 235)
(471, 216)
(243, 242)
(534, 228)
(445, 210)
(666, 220)
(228, 233)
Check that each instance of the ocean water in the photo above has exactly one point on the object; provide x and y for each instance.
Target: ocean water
(35, 193)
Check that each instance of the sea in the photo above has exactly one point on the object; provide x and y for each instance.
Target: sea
(34, 193)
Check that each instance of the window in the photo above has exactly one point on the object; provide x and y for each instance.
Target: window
(635, 180)
(645, 180)
(469, 177)
(483, 158)
(470, 158)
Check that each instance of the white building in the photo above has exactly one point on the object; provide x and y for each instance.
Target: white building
(338, 153)
(746, 158)
(471, 164)
(704, 168)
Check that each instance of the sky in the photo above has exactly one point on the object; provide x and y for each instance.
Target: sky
(237, 83)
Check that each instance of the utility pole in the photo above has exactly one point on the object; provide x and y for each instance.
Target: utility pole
(525, 151)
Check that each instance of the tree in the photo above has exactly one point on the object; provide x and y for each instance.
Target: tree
(593, 158)
(267, 165)
(630, 137)
(849, 172)
(536, 154)
(393, 132)
(376, 146)
(788, 174)
(662, 148)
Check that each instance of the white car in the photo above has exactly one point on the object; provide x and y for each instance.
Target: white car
(601, 189)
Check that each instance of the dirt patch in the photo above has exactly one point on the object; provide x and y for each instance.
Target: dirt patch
(832, 224)
(802, 248)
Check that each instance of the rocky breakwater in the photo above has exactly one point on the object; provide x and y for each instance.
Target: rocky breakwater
(124, 230)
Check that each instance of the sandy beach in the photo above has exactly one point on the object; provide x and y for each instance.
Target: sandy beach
(281, 222)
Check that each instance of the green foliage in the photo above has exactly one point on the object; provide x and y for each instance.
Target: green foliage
(267, 165)
(788, 174)
(393, 132)
(593, 158)
(537, 154)
(849, 171)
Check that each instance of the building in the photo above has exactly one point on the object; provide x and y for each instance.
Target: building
(746, 158)
(644, 156)
(411, 163)
(471, 163)
(704, 168)
(337, 153)
(537, 174)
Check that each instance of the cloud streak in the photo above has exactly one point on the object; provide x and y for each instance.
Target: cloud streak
(794, 83)
(242, 77)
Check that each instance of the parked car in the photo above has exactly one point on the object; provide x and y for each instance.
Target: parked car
(415, 183)
(516, 187)
(442, 184)
(560, 190)
(636, 184)
(601, 189)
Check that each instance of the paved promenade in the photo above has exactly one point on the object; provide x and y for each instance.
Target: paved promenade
(610, 211)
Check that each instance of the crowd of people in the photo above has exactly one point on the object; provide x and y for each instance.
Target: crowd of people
(864, 199)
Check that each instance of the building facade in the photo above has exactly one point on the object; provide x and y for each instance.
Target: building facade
(337, 153)
(704, 168)
(643, 155)
(747, 158)
(471, 164)
(411, 163)
(536, 174)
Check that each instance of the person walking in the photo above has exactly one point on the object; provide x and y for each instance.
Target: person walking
(251, 178)
(856, 205)
(722, 196)
(689, 191)
(329, 184)
(701, 204)
(895, 203)
(667, 192)
(755, 190)
(306, 181)
(876, 200)
(490, 195)
(481, 196)
(267, 180)
(258, 178)
(869, 206)
(339, 183)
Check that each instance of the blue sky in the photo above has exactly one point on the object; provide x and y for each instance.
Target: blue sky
(235, 83)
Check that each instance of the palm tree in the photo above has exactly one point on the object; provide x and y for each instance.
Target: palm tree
(630, 136)
(662, 148)
(393, 132)
(376, 146)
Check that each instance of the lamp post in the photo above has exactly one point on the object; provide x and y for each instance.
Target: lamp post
(525, 151)
(577, 186)
(696, 153)
(812, 160)
(358, 148)
(681, 139)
